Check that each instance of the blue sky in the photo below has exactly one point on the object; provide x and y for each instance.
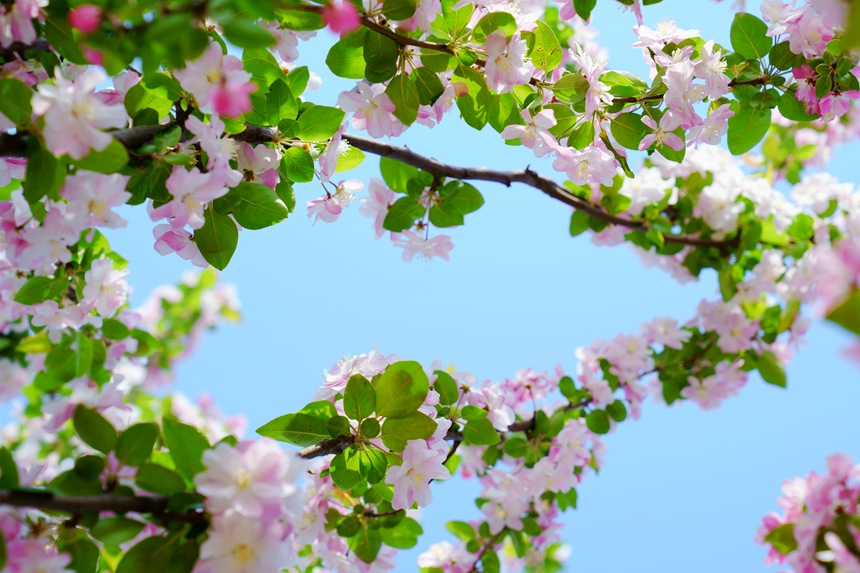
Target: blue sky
(681, 490)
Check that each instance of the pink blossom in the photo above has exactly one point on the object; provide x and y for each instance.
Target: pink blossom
(248, 479)
(590, 165)
(92, 196)
(778, 15)
(411, 480)
(368, 365)
(535, 133)
(11, 168)
(447, 557)
(169, 239)
(106, 288)
(33, 556)
(341, 16)
(329, 207)
(665, 331)
(16, 21)
(808, 35)
(712, 129)
(413, 244)
(836, 104)
(505, 67)
(238, 544)
(191, 191)
(662, 133)
(74, 116)
(258, 164)
(682, 93)
(48, 242)
(376, 205)
(218, 82)
(712, 68)
(87, 18)
(422, 19)
(328, 159)
(372, 110)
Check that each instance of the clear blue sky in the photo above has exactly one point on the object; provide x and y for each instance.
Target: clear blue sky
(682, 490)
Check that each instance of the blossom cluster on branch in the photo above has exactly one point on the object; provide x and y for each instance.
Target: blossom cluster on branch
(101, 473)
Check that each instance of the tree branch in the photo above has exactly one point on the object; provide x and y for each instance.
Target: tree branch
(18, 49)
(14, 145)
(49, 501)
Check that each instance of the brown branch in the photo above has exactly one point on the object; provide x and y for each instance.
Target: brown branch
(327, 447)
(759, 81)
(18, 49)
(14, 145)
(49, 501)
(492, 542)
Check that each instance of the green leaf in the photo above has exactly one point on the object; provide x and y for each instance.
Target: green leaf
(113, 329)
(369, 428)
(8, 470)
(298, 165)
(792, 108)
(628, 130)
(782, 58)
(84, 554)
(60, 36)
(158, 479)
(749, 36)
(346, 61)
(151, 554)
(217, 239)
(338, 426)
(446, 386)
(140, 97)
(359, 398)
(15, 99)
(428, 84)
(404, 96)
(135, 443)
(516, 446)
(245, 33)
(319, 123)
(94, 429)
(186, 444)
(45, 173)
(399, 9)
(366, 544)
(397, 431)
(259, 206)
(747, 127)
(3, 552)
(598, 422)
(545, 51)
(344, 477)
(782, 538)
(280, 103)
(299, 429)
(584, 7)
(480, 433)
(372, 464)
(116, 530)
(571, 87)
(847, 313)
(40, 289)
(380, 56)
(402, 214)
(464, 531)
(617, 411)
(83, 354)
(501, 21)
(396, 174)
(404, 535)
(401, 389)
(263, 67)
(770, 369)
(474, 106)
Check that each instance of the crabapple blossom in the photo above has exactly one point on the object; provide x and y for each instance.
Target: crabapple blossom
(258, 164)
(505, 67)
(413, 244)
(74, 116)
(411, 479)
(92, 196)
(218, 82)
(238, 544)
(662, 132)
(191, 191)
(341, 16)
(590, 165)
(169, 239)
(372, 110)
(375, 206)
(106, 287)
(86, 18)
(535, 133)
(248, 479)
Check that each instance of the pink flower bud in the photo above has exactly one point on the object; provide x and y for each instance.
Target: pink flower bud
(94, 57)
(86, 18)
(341, 17)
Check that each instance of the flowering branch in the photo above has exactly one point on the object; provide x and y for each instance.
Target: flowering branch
(14, 145)
(46, 500)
